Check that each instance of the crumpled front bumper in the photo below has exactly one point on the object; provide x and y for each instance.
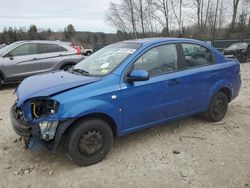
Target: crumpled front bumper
(29, 132)
(20, 126)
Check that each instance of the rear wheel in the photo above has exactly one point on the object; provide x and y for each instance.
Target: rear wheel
(89, 141)
(217, 108)
(1, 82)
(242, 58)
(88, 53)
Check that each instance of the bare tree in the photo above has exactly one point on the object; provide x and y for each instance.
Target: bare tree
(207, 12)
(128, 9)
(221, 16)
(235, 9)
(140, 7)
(163, 7)
(114, 17)
(150, 14)
(122, 17)
(178, 14)
(215, 21)
(198, 7)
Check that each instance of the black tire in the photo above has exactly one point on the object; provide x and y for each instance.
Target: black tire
(89, 141)
(88, 53)
(242, 58)
(1, 82)
(217, 108)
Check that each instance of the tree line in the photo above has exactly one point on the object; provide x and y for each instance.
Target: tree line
(94, 40)
(201, 19)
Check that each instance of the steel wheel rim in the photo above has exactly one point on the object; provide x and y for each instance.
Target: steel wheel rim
(91, 142)
(218, 107)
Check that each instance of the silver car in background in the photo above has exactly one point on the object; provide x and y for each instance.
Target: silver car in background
(2, 45)
(26, 58)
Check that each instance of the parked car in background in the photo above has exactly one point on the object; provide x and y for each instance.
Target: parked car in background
(240, 50)
(85, 51)
(123, 88)
(26, 58)
(2, 45)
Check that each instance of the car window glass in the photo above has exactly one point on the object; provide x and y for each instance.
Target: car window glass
(25, 49)
(50, 48)
(159, 60)
(196, 55)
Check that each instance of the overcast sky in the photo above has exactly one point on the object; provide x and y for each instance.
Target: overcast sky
(85, 15)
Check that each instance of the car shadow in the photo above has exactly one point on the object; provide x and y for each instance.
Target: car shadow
(124, 143)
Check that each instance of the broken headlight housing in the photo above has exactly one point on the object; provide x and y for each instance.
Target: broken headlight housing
(43, 107)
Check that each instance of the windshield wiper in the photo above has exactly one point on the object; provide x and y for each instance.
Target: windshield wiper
(81, 71)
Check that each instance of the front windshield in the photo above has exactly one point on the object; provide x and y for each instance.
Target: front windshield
(107, 59)
(238, 46)
(7, 48)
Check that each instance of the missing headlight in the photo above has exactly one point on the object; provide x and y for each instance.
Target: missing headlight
(43, 107)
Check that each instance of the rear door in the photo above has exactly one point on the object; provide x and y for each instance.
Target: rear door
(51, 56)
(22, 61)
(159, 98)
(200, 74)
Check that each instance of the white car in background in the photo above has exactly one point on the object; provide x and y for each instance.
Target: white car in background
(85, 51)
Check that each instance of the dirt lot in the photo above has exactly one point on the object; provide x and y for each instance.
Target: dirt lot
(211, 155)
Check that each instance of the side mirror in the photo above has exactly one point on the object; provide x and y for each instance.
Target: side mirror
(11, 57)
(138, 75)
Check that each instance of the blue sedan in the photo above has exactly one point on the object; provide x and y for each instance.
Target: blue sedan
(122, 88)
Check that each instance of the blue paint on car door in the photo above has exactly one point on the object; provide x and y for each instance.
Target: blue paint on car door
(159, 98)
(152, 101)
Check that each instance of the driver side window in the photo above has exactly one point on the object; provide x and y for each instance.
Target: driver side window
(159, 60)
(25, 49)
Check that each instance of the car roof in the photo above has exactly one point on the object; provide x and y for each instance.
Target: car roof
(43, 41)
(146, 41)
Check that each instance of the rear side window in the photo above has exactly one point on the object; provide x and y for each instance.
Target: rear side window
(50, 48)
(159, 60)
(25, 49)
(196, 55)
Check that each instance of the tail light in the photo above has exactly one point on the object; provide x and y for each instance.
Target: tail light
(78, 49)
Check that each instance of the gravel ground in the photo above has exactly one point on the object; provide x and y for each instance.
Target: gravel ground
(211, 155)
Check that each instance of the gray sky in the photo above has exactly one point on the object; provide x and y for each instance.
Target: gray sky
(85, 15)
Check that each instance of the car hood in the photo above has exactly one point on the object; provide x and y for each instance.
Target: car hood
(44, 85)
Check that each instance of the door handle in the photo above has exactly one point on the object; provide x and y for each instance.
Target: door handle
(173, 82)
(34, 58)
(215, 73)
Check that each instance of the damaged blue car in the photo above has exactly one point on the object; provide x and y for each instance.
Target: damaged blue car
(123, 88)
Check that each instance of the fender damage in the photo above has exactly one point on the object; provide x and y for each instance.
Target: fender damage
(34, 115)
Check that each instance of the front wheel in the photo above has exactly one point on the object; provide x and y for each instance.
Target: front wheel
(217, 108)
(89, 141)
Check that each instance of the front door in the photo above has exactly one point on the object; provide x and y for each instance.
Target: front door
(22, 61)
(158, 99)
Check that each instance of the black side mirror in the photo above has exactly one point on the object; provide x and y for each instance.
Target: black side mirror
(138, 75)
(11, 57)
